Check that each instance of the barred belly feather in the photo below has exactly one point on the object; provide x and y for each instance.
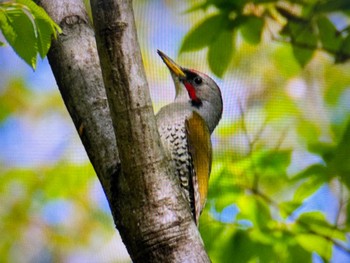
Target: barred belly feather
(174, 139)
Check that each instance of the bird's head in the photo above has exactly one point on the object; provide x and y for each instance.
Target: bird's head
(198, 89)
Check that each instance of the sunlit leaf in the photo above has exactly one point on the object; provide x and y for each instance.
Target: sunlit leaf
(321, 148)
(303, 40)
(13, 98)
(251, 29)
(203, 34)
(220, 52)
(311, 171)
(315, 222)
(276, 110)
(330, 38)
(263, 214)
(282, 54)
(302, 55)
(227, 197)
(19, 32)
(298, 254)
(337, 84)
(239, 246)
(307, 188)
(27, 28)
(76, 178)
(314, 243)
(288, 207)
(340, 163)
(274, 161)
(253, 209)
(218, 233)
(196, 7)
(45, 26)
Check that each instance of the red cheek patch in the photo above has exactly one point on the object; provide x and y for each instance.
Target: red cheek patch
(191, 92)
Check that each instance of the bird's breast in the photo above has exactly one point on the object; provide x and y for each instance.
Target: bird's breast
(173, 136)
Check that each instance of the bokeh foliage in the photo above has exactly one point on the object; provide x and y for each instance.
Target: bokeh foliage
(305, 24)
(51, 211)
(277, 166)
(291, 140)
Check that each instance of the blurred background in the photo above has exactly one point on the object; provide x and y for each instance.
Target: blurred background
(278, 190)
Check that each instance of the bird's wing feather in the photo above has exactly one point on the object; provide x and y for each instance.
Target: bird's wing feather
(199, 146)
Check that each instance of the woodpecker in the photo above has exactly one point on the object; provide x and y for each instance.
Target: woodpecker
(185, 126)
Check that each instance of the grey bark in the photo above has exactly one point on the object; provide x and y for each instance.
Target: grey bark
(144, 196)
(75, 64)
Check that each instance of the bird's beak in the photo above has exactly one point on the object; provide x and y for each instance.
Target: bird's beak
(173, 67)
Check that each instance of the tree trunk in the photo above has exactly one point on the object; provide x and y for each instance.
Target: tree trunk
(143, 193)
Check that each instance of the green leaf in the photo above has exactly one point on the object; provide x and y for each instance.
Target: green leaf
(45, 26)
(316, 223)
(287, 208)
(63, 188)
(253, 209)
(308, 131)
(19, 32)
(348, 215)
(298, 254)
(13, 98)
(330, 38)
(340, 164)
(28, 29)
(303, 40)
(263, 214)
(218, 234)
(203, 34)
(226, 197)
(321, 148)
(242, 248)
(302, 55)
(313, 170)
(229, 5)
(314, 243)
(288, 70)
(251, 29)
(220, 52)
(274, 160)
(344, 53)
(310, 186)
(332, 6)
(196, 7)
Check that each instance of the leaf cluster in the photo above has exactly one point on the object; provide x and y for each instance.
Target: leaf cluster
(267, 224)
(306, 25)
(278, 192)
(27, 28)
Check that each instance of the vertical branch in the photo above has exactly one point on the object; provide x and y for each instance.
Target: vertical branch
(148, 207)
(75, 64)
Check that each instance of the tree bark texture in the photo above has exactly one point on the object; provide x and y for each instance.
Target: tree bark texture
(145, 198)
(75, 64)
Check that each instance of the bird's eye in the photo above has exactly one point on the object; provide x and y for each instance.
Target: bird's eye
(198, 80)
